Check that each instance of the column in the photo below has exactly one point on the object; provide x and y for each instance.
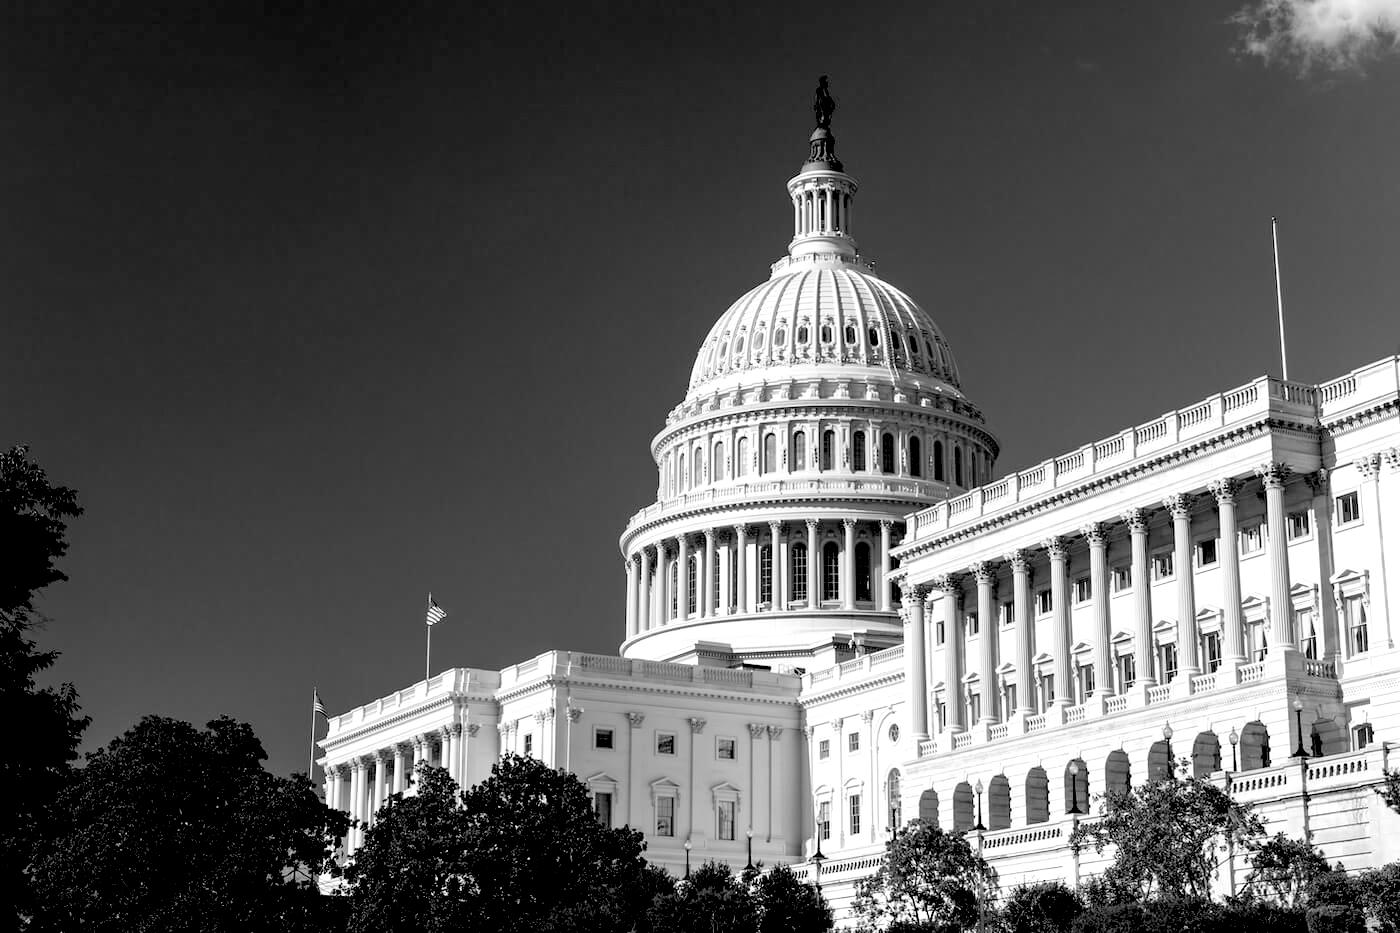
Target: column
(332, 787)
(952, 650)
(454, 753)
(663, 588)
(1281, 587)
(1186, 638)
(644, 615)
(682, 578)
(705, 584)
(915, 650)
(885, 526)
(381, 758)
(356, 808)
(1060, 630)
(741, 542)
(1224, 491)
(814, 596)
(1369, 468)
(1103, 626)
(631, 596)
(400, 769)
(1142, 599)
(1025, 630)
(986, 575)
(778, 551)
(848, 564)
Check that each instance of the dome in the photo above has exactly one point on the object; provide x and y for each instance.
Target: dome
(831, 314)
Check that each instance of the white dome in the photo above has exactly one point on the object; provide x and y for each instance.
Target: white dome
(827, 314)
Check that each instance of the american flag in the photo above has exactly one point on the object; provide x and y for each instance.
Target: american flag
(316, 705)
(435, 612)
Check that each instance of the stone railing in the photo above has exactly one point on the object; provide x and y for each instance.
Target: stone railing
(1249, 673)
(1075, 714)
(813, 485)
(1035, 723)
(1202, 683)
(1324, 669)
(961, 740)
(1160, 693)
(1115, 704)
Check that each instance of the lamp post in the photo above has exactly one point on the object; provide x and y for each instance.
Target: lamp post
(1074, 787)
(1234, 757)
(979, 827)
(817, 860)
(1171, 764)
(1300, 751)
(749, 834)
(686, 846)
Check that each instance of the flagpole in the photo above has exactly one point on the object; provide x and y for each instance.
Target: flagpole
(311, 757)
(1278, 287)
(428, 662)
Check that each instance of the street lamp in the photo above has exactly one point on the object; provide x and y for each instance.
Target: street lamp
(1234, 741)
(1171, 764)
(1300, 751)
(749, 834)
(817, 860)
(686, 846)
(1074, 787)
(979, 827)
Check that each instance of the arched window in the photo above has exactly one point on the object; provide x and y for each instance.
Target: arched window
(828, 450)
(957, 466)
(741, 458)
(938, 470)
(1076, 787)
(858, 451)
(928, 807)
(887, 453)
(1205, 755)
(916, 457)
(863, 587)
(765, 573)
(831, 571)
(697, 468)
(682, 474)
(674, 573)
(850, 334)
(798, 576)
(692, 562)
(1037, 796)
(802, 334)
(999, 803)
(962, 807)
(770, 452)
(717, 464)
(1117, 773)
(874, 336)
(799, 451)
(895, 806)
(827, 335)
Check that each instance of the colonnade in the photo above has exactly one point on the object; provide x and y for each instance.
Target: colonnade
(820, 209)
(741, 570)
(986, 695)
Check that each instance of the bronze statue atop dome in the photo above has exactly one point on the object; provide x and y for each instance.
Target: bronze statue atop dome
(823, 105)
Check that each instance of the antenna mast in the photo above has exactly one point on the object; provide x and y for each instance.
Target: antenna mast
(1278, 286)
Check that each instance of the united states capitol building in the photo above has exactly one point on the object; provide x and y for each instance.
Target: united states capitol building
(841, 615)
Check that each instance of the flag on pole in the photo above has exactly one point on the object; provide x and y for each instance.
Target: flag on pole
(316, 705)
(435, 612)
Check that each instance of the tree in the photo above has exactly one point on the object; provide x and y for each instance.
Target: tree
(411, 872)
(44, 724)
(1169, 836)
(1049, 907)
(173, 827)
(929, 880)
(1390, 790)
(1284, 870)
(711, 900)
(787, 905)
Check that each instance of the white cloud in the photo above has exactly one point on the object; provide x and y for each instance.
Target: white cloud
(1333, 35)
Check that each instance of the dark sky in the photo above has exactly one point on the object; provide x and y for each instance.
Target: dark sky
(319, 314)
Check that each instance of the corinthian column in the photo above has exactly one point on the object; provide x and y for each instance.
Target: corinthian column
(915, 650)
(705, 585)
(885, 526)
(682, 578)
(1280, 586)
(1103, 623)
(1179, 506)
(1060, 629)
(644, 592)
(848, 566)
(1224, 491)
(741, 543)
(631, 566)
(952, 650)
(1142, 599)
(1025, 630)
(778, 550)
(986, 575)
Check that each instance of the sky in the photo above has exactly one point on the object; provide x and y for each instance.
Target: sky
(321, 313)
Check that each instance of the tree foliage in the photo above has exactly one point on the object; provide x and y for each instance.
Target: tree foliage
(43, 725)
(173, 827)
(1389, 791)
(1049, 907)
(1168, 837)
(1284, 870)
(711, 900)
(929, 880)
(788, 905)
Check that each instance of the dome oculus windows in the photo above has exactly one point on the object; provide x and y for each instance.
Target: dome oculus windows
(874, 336)
(802, 334)
(827, 335)
(850, 333)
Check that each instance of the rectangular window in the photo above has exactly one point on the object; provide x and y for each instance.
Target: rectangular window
(1163, 565)
(824, 819)
(1008, 613)
(1210, 651)
(765, 574)
(665, 743)
(665, 816)
(824, 748)
(1206, 553)
(602, 808)
(858, 451)
(1127, 670)
(1166, 663)
(1252, 539)
(1047, 691)
(726, 819)
(529, 744)
(974, 708)
(938, 633)
(1009, 698)
(1307, 633)
(942, 715)
(1358, 640)
(1044, 602)
(1258, 640)
(1362, 736)
(602, 738)
(855, 814)
(1348, 508)
(1122, 578)
(724, 749)
(970, 623)
(1083, 591)
(1086, 682)
(799, 572)
(1299, 525)
(853, 742)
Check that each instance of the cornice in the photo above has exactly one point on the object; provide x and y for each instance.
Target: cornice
(843, 689)
(1359, 418)
(804, 499)
(643, 686)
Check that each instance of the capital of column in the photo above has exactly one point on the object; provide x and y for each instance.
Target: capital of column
(756, 730)
(886, 525)
(635, 719)
(1020, 561)
(1056, 547)
(503, 728)
(697, 725)
(1274, 475)
(848, 523)
(404, 748)
(985, 572)
(867, 716)
(1317, 481)
(574, 712)
(741, 533)
(774, 733)
(915, 592)
(539, 716)
(809, 731)
(709, 536)
(382, 755)
(837, 723)
(456, 728)
(472, 729)
(1179, 504)
(1095, 534)
(1368, 466)
(775, 529)
(811, 526)
(1392, 458)
(1136, 520)
(1225, 489)
(947, 584)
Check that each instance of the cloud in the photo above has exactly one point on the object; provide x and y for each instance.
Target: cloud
(1330, 35)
